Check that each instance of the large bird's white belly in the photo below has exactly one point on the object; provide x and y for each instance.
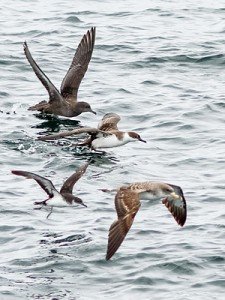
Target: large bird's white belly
(108, 142)
(57, 200)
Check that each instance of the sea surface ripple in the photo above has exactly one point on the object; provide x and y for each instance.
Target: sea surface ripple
(160, 66)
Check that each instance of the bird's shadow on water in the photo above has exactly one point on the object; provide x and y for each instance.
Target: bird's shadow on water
(51, 238)
(53, 123)
(96, 158)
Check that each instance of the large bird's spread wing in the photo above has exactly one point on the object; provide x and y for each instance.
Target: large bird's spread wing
(109, 122)
(54, 94)
(63, 134)
(177, 206)
(78, 68)
(44, 183)
(69, 183)
(127, 205)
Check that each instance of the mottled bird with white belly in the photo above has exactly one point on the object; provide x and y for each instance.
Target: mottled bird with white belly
(127, 203)
(107, 135)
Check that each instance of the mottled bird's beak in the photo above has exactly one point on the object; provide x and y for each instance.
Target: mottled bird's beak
(141, 140)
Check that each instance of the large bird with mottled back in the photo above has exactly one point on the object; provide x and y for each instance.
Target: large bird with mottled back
(64, 103)
(127, 202)
(107, 134)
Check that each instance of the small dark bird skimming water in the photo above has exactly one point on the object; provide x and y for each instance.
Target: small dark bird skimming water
(55, 198)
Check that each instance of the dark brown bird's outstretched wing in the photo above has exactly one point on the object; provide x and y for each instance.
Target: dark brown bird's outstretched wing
(127, 205)
(109, 122)
(69, 183)
(177, 205)
(44, 183)
(78, 68)
(54, 94)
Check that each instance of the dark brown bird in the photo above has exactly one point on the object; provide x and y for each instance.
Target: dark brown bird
(127, 202)
(64, 103)
(55, 198)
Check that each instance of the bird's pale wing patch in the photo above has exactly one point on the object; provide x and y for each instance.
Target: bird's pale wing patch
(109, 122)
(127, 205)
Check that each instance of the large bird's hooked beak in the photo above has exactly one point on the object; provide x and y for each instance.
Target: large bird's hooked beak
(141, 140)
(93, 112)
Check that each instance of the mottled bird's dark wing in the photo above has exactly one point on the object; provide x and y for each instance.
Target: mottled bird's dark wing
(109, 122)
(44, 183)
(54, 94)
(78, 68)
(177, 205)
(127, 205)
(77, 131)
(69, 183)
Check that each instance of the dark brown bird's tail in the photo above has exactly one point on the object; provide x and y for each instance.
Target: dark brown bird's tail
(42, 106)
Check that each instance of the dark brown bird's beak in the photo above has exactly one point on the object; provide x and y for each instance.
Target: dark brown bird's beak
(93, 112)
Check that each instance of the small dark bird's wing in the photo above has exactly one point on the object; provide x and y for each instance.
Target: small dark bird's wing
(127, 205)
(78, 68)
(69, 183)
(109, 122)
(177, 207)
(44, 183)
(54, 94)
(63, 134)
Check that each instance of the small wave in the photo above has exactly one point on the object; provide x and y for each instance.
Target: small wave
(150, 82)
(124, 91)
(217, 59)
(73, 19)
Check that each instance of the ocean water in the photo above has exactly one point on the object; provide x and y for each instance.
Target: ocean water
(160, 66)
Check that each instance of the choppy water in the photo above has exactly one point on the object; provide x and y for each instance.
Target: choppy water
(160, 65)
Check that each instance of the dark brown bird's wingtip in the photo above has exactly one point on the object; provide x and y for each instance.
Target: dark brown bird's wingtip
(108, 256)
(16, 172)
(24, 45)
(182, 221)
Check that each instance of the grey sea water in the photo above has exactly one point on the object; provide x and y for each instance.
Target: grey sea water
(160, 65)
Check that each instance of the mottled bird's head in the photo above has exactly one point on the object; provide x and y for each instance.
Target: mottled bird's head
(135, 136)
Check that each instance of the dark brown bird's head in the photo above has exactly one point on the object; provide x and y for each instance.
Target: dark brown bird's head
(84, 107)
